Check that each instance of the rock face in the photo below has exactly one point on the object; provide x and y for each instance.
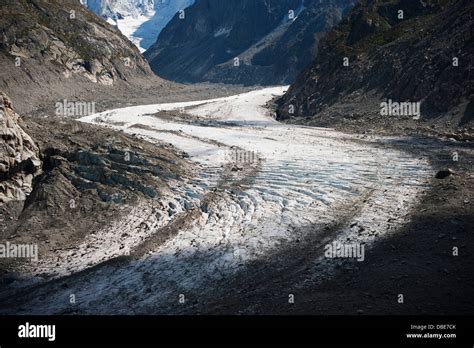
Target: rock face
(403, 50)
(272, 39)
(19, 156)
(52, 48)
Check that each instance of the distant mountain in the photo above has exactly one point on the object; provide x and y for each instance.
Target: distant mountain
(51, 49)
(140, 20)
(243, 41)
(417, 51)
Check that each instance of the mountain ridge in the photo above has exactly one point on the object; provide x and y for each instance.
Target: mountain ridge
(58, 49)
(267, 46)
(422, 58)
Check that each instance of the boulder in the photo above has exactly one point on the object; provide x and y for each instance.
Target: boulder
(444, 173)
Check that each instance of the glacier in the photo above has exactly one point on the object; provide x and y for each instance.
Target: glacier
(232, 212)
(141, 21)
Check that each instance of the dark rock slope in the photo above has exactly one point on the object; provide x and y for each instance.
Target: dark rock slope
(425, 57)
(53, 49)
(273, 44)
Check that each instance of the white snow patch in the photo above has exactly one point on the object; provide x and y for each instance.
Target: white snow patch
(222, 31)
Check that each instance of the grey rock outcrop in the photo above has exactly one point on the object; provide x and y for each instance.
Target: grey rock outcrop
(19, 155)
